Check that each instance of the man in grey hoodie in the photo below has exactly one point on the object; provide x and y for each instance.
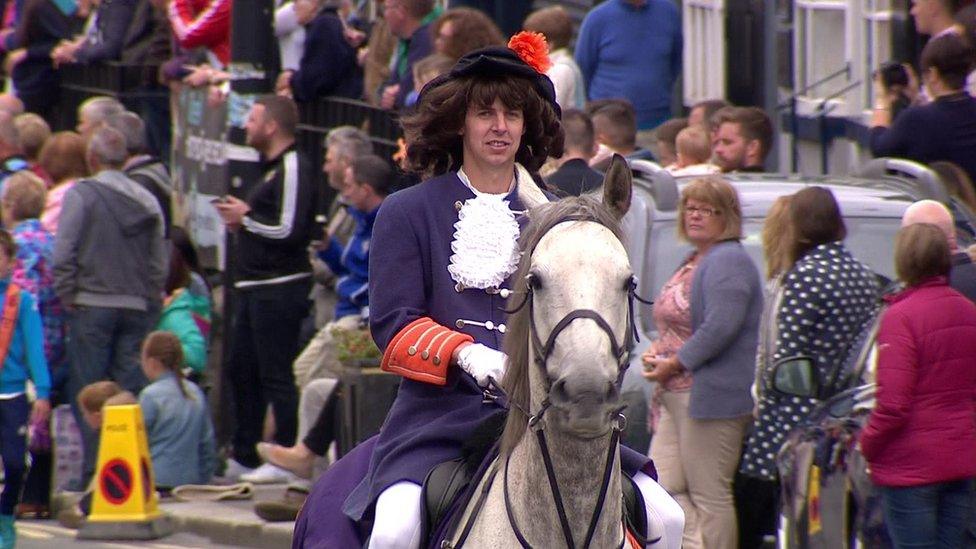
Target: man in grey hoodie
(109, 268)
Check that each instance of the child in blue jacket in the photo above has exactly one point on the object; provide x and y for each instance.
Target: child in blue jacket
(22, 355)
(178, 425)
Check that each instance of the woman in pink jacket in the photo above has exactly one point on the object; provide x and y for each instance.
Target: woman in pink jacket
(920, 440)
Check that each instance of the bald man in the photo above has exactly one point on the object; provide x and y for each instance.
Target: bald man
(962, 276)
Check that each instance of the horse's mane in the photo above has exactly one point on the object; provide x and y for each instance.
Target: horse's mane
(516, 381)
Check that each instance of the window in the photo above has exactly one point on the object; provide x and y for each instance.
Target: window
(833, 35)
(703, 23)
(821, 51)
(877, 20)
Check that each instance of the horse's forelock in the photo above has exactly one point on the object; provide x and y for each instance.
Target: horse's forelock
(516, 381)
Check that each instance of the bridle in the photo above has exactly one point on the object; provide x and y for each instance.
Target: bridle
(541, 353)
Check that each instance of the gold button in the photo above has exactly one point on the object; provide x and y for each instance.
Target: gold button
(457, 205)
(411, 350)
(437, 360)
(459, 287)
(425, 354)
(459, 324)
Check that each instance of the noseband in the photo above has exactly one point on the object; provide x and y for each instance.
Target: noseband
(541, 353)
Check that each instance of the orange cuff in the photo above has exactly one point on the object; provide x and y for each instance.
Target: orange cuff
(422, 351)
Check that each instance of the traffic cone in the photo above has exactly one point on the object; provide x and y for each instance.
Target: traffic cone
(124, 502)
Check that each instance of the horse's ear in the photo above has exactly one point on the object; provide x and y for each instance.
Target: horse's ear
(618, 186)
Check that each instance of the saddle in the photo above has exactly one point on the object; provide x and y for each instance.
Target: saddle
(445, 494)
(442, 487)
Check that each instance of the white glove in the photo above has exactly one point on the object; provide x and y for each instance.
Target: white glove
(483, 362)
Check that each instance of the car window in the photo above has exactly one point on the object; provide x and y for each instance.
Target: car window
(870, 239)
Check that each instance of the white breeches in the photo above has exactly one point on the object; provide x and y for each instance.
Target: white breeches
(398, 516)
(665, 519)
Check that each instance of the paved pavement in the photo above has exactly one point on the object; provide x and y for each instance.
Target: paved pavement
(232, 522)
(45, 534)
(196, 524)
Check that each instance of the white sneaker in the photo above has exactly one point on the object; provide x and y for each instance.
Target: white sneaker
(268, 474)
(235, 470)
(301, 484)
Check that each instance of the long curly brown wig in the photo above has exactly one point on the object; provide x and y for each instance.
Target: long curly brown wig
(432, 130)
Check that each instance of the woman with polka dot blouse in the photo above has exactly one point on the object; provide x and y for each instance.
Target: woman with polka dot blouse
(828, 297)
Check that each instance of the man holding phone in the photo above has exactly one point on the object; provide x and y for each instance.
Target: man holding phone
(273, 226)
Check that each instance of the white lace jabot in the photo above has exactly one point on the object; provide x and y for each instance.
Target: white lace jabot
(485, 241)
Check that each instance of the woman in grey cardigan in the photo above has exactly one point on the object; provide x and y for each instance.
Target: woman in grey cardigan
(707, 317)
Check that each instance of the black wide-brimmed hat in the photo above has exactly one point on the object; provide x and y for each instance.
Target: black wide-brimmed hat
(527, 55)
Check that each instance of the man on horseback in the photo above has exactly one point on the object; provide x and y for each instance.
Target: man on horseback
(442, 257)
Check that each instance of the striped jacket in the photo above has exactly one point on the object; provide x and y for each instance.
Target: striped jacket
(273, 240)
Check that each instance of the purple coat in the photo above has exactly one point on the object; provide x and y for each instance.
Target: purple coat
(409, 279)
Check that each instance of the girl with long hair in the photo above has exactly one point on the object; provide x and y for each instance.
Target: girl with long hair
(176, 416)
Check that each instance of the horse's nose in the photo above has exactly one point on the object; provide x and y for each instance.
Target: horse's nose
(574, 390)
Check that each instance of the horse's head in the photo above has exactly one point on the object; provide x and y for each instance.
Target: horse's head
(577, 283)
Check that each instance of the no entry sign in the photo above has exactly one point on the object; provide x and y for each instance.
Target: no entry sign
(115, 481)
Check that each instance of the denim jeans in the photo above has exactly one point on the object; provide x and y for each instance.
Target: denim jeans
(928, 516)
(103, 344)
(13, 449)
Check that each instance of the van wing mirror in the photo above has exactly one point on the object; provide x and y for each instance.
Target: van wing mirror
(796, 376)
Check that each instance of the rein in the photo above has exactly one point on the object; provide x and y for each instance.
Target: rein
(554, 488)
(541, 352)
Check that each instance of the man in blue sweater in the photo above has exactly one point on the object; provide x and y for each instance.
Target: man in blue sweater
(632, 49)
(367, 182)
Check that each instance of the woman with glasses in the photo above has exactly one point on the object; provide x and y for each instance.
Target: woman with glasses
(707, 317)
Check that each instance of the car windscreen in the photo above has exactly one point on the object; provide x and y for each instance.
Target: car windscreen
(870, 239)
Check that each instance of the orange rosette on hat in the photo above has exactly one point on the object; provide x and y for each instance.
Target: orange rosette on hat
(532, 49)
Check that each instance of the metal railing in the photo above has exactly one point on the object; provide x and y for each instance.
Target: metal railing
(125, 82)
(130, 83)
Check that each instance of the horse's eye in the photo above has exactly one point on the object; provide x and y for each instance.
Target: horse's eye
(629, 283)
(535, 281)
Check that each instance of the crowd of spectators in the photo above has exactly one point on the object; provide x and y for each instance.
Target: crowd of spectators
(69, 200)
(72, 197)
